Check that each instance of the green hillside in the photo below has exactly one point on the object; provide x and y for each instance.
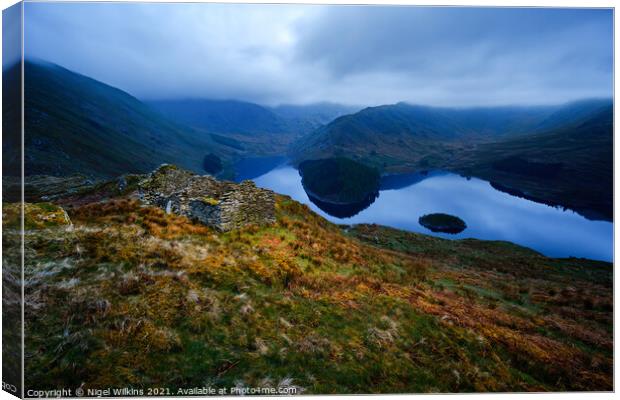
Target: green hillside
(74, 124)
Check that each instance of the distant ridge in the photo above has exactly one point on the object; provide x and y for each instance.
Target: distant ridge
(400, 136)
(317, 113)
(234, 117)
(222, 116)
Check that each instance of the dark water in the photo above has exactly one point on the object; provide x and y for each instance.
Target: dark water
(488, 213)
(253, 167)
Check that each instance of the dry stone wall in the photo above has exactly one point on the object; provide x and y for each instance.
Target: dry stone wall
(220, 204)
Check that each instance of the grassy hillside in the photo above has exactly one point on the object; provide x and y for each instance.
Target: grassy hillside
(74, 124)
(302, 303)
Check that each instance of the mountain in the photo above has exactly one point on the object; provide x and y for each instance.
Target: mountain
(574, 112)
(11, 120)
(559, 155)
(321, 308)
(570, 165)
(223, 116)
(233, 117)
(403, 137)
(248, 127)
(316, 113)
(75, 124)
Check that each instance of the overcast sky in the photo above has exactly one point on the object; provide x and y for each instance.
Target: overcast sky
(370, 55)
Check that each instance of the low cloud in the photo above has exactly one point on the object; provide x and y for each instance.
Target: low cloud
(350, 54)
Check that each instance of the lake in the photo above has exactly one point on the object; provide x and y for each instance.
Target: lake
(490, 214)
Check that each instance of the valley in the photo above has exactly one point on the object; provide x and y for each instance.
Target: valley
(388, 250)
(252, 128)
(560, 156)
(556, 155)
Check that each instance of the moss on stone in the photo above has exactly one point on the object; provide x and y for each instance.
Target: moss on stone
(210, 201)
(36, 216)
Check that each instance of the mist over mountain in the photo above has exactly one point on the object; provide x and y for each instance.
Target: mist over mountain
(222, 116)
(242, 117)
(320, 113)
(303, 54)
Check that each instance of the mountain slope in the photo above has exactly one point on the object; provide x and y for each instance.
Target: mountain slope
(571, 166)
(233, 117)
(249, 127)
(385, 137)
(75, 124)
(573, 112)
(222, 116)
(11, 120)
(556, 155)
(404, 137)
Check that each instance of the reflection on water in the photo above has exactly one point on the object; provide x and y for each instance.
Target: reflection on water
(489, 214)
(400, 181)
(343, 210)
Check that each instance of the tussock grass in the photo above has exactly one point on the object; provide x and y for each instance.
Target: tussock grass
(132, 295)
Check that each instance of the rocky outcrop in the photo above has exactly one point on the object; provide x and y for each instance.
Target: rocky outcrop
(219, 204)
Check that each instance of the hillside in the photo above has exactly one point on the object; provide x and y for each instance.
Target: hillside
(222, 116)
(234, 117)
(74, 124)
(556, 155)
(296, 304)
(571, 166)
(404, 137)
(11, 121)
(250, 127)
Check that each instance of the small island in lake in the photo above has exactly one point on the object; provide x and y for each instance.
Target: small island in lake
(339, 186)
(443, 223)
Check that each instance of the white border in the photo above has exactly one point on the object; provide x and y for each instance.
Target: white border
(488, 3)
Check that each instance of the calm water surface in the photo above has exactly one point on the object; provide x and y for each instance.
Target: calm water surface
(489, 213)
